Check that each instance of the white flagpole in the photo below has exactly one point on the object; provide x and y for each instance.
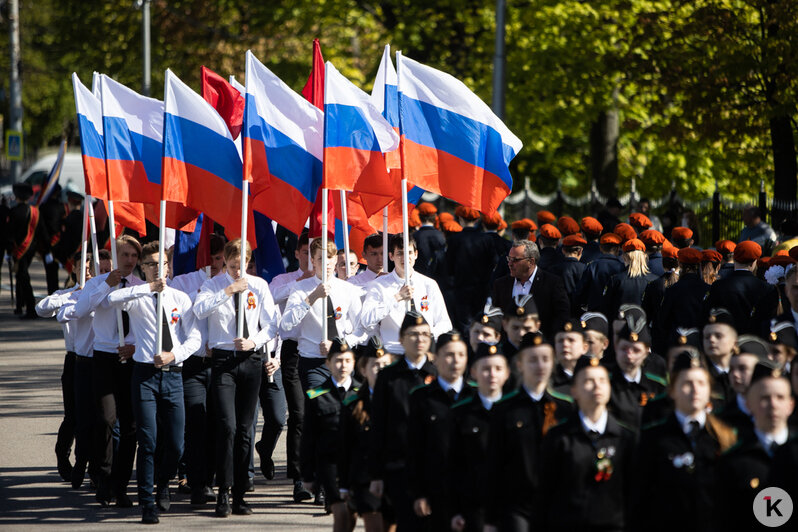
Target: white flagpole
(243, 263)
(95, 253)
(324, 207)
(114, 266)
(345, 223)
(83, 243)
(405, 235)
(385, 239)
(161, 244)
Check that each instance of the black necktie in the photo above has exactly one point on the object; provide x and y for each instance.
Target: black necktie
(332, 329)
(772, 448)
(412, 305)
(125, 316)
(236, 298)
(451, 393)
(692, 432)
(166, 337)
(594, 435)
(341, 391)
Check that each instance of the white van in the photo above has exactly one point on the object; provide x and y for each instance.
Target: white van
(71, 173)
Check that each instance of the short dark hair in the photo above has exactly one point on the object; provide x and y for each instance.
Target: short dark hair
(217, 243)
(303, 239)
(397, 242)
(104, 254)
(372, 241)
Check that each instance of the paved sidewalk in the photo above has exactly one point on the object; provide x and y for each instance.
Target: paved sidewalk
(33, 496)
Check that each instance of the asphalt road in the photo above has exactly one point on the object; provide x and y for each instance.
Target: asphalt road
(33, 496)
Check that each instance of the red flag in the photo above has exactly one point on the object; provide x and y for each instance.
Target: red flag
(225, 98)
(126, 214)
(177, 216)
(204, 247)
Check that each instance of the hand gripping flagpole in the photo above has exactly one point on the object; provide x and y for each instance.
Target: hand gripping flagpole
(405, 235)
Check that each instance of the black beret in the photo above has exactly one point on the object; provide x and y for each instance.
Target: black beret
(783, 333)
(22, 191)
(686, 360)
(595, 321)
(339, 345)
(753, 345)
(767, 368)
(522, 306)
(571, 325)
(74, 196)
(487, 350)
(586, 361)
(635, 311)
(412, 318)
(374, 348)
(533, 339)
(720, 315)
(681, 337)
(635, 329)
(491, 317)
(448, 337)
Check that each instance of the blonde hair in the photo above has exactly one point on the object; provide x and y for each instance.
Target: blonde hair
(637, 262)
(233, 249)
(127, 240)
(332, 249)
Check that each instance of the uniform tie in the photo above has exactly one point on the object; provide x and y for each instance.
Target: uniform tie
(693, 431)
(332, 329)
(166, 337)
(451, 393)
(125, 315)
(236, 299)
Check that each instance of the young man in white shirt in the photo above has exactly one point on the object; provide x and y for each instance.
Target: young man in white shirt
(157, 381)
(112, 373)
(387, 299)
(237, 368)
(372, 252)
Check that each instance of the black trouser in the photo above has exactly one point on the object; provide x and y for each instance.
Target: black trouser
(199, 455)
(313, 372)
(272, 404)
(51, 274)
(85, 411)
(24, 290)
(295, 397)
(66, 432)
(397, 491)
(235, 379)
(112, 394)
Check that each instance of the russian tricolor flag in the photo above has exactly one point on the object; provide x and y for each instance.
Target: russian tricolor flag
(355, 137)
(283, 147)
(133, 126)
(92, 145)
(201, 165)
(385, 97)
(453, 143)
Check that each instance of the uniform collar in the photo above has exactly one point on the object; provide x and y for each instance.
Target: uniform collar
(636, 378)
(457, 386)
(684, 421)
(779, 438)
(419, 365)
(487, 402)
(346, 385)
(535, 396)
(599, 426)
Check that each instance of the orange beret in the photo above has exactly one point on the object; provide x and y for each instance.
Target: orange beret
(682, 233)
(591, 226)
(413, 219)
(573, 241)
(651, 237)
(524, 223)
(670, 252)
(638, 219)
(610, 238)
(546, 217)
(633, 244)
(567, 225)
(492, 221)
(452, 227)
(747, 252)
(689, 256)
(445, 217)
(710, 255)
(625, 231)
(782, 253)
(794, 252)
(782, 260)
(725, 246)
(549, 231)
(466, 213)
(763, 263)
(426, 209)
(503, 225)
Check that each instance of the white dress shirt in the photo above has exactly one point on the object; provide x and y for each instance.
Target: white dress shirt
(487, 402)
(94, 297)
(636, 378)
(81, 328)
(306, 321)
(260, 312)
(383, 314)
(281, 286)
(345, 384)
(533, 395)
(599, 426)
(685, 421)
(49, 306)
(140, 303)
(779, 438)
(363, 278)
(189, 283)
(522, 289)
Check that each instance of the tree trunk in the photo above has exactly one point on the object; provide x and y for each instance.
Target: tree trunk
(604, 152)
(785, 166)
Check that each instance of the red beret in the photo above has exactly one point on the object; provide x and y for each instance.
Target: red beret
(610, 238)
(426, 209)
(413, 219)
(466, 213)
(591, 226)
(546, 217)
(782, 260)
(567, 225)
(445, 217)
(794, 252)
(549, 231)
(782, 253)
(725, 246)
(682, 233)
(638, 219)
(524, 223)
(625, 231)
(689, 256)
(633, 244)
(763, 263)
(747, 252)
(503, 225)
(710, 255)
(573, 241)
(651, 237)
(492, 221)
(452, 227)
(669, 252)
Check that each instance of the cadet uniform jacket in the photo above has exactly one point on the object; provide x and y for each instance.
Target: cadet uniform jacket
(355, 440)
(750, 300)
(629, 398)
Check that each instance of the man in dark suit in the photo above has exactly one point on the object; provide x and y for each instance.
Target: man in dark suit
(525, 277)
(430, 242)
(752, 301)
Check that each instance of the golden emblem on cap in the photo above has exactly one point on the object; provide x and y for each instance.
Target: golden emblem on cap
(492, 350)
(344, 347)
(520, 311)
(567, 327)
(774, 336)
(594, 361)
(484, 318)
(519, 424)
(694, 362)
(380, 352)
(419, 320)
(776, 372)
(754, 483)
(584, 324)
(456, 337)
(682, 340)
(712, 319)
(633, 337)
(538, 340)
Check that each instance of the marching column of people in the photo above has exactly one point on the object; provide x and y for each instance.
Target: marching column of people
(611, 381)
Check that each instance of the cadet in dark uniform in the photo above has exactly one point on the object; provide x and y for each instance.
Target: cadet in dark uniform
(747, 467)
(720, 339)
(632, 386)
(470, 429)
(71, 233)
(783, 341)
(653, 241)
(430, 243)
(570, 269)
(587, 461)
(627, 287)
(676, 486)
(750, 300)
(519, 319)
(356, 425)
(590, 290)
(683, 302)
(485, 329)
(27, 236)
(726, 250)
(750, 351)
(429, 429)
(569, 346)
(321, 435)
(52, 215)
(592, 229)
(519, 422)
(501, 246)
(390, 418)
(596, 328)
(548, 241)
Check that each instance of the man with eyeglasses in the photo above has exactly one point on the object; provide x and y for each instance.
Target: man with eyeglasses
(390, 413)
(526, 278)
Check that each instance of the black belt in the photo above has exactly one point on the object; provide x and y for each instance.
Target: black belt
(222, 354)
(166, 369)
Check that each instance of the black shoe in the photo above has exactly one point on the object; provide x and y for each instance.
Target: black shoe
(78, 474)
(149, 515)
(210, 496)
(241, 507)
(183, 487)
(300, 493)
(64, 467)
(250, 485)
(319, 500)
(123, 501)
(223, 503)
(201, 497)
(103, 495)
(266, 463)
(29, 317)
(163, 499)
